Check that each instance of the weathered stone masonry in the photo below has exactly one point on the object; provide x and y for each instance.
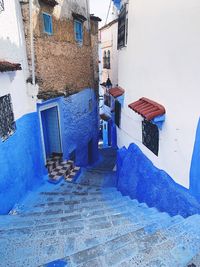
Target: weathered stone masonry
(62, 65)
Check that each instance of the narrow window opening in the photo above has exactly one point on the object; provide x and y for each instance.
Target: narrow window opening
(7, 123)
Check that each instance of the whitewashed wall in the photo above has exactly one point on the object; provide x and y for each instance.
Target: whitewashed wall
(108, 39)
(12, 49)
(162, 62)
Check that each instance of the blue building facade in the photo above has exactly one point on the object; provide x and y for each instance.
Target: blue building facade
(140, 179)
(23, 155)
(76, 131)
(21, 161)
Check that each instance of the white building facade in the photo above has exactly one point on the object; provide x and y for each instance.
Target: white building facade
(161, 62)
(109, 52)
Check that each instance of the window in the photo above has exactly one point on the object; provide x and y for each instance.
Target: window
(122, 28)
(78, 30)
(1, 6)
(47, 23)
(117, 113)
(7, 123)
(150, 136)
(106, 60)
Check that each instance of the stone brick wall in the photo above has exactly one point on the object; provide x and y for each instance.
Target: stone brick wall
(62, 65)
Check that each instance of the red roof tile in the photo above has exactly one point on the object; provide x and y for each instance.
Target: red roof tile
(7, 66)
(116, 91)
(147, 108)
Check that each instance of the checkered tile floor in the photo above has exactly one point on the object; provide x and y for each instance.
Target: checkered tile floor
(64, 169)
(60, 170)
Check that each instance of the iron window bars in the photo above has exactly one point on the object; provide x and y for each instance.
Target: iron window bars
(7, 123)
(1, 5)
(122, 27)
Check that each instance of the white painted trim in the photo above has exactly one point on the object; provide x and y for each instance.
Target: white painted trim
(43, 108)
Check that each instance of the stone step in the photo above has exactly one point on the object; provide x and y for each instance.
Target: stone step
(176, 250)
(93, 235)
(113, 251)
(61, 244)
(110, 245)
(78, 200)
(72, 206)
(13, 222)
(137, 252)
(65, 195)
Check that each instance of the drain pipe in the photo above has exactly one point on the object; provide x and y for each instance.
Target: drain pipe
(88, 14)
(32, 41)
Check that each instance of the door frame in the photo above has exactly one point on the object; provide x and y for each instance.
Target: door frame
(40, 110)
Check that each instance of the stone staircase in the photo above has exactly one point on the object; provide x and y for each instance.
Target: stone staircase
(59, 169)
(82, 225)
(89, 223)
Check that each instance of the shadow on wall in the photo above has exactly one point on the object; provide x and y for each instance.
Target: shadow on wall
(140, 179)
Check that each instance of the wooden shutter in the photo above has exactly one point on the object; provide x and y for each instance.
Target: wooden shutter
(117, 113)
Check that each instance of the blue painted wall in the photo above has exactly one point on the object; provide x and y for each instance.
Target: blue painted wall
(21, 161)
(140, 179)
(195, 166)
(79, 124)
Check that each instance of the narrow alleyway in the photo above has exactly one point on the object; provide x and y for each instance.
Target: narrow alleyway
(89, 223)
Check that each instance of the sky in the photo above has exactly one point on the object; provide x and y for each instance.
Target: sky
(100, 9)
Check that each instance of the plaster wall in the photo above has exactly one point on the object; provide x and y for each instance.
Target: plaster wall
(21, 162)
(162, 62)
(13, 49)
(108, 40)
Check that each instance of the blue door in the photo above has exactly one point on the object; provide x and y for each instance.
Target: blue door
(51, 131)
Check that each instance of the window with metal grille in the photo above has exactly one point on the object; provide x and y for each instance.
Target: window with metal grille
(122, 28)
(150, 136)
(7, 123)
(47, 23)
(1, 5)
(106, 59)
(117, 113)
(78, 30)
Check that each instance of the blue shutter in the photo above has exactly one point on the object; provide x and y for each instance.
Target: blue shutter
(78, 28)
(47, 19)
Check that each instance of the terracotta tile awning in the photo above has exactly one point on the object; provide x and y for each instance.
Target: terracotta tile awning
(147, 108)
(50, 2)
(116, 92)
(7, 66)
